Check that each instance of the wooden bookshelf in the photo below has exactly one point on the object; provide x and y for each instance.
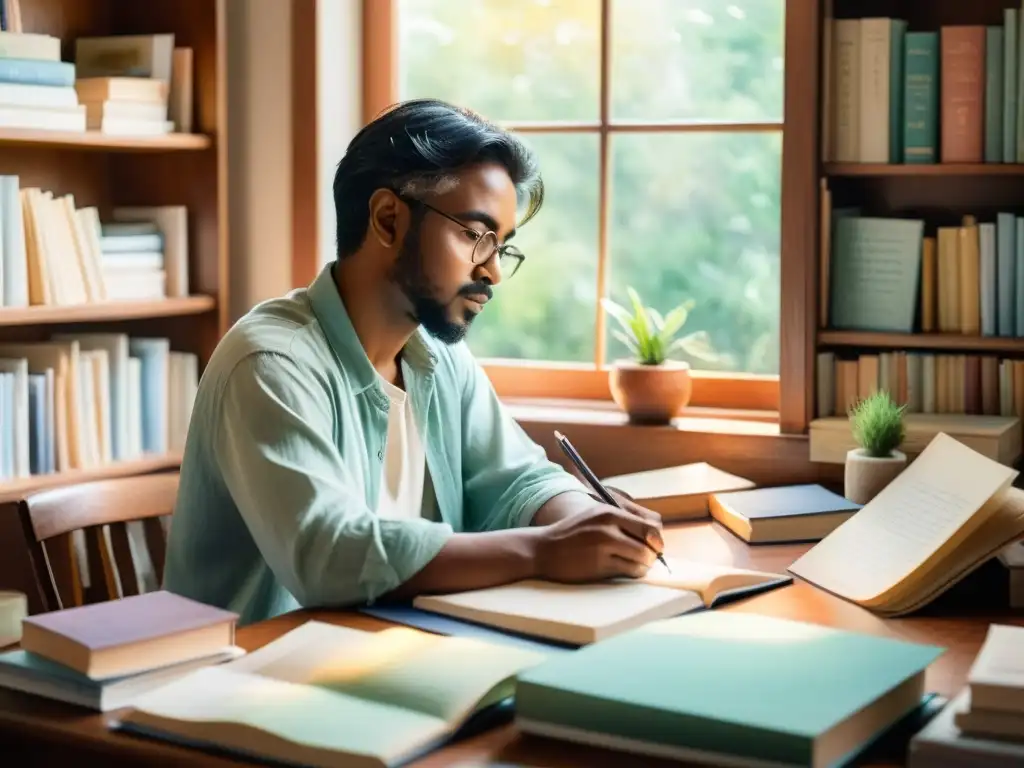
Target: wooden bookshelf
(106, 312)
(108, 171)
(934, 169)
(938, 341)
(939, 193)
(10, 137)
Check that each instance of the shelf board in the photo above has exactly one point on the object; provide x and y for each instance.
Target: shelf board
(934, 169)
(106, 311)
(940, 341)
(105, 141)
(12, 490)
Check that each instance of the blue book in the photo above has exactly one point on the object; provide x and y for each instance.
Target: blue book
(781, 514)
(1010, 75)
(153, 358)
(1006, 267)
(730, 688)
(37, 461)
(37, 72)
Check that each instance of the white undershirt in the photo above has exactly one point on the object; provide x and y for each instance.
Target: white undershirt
(405, 490)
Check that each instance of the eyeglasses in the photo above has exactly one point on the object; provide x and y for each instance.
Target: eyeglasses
(485, 244)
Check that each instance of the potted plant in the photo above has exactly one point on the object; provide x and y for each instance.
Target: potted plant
(653, 388)
(878, 429)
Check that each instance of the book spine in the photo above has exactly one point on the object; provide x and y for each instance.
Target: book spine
(921, 97)
(37, 72)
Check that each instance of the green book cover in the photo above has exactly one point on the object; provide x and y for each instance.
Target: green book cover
(994, 95)
(875, 274)
(1010, 34)
(920, 97)
(728, 685)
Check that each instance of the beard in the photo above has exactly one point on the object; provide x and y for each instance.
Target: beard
(436, 316)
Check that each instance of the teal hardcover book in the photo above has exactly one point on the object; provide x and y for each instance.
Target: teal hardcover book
(920, 94)
(728, 688)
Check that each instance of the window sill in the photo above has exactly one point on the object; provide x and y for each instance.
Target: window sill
(747, 443)
(607, 414)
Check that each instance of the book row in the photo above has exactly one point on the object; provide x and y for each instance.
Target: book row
(55, 253)
(128, 85)
(81, 401)
(970, 384)
(951, 95)
(898, 275)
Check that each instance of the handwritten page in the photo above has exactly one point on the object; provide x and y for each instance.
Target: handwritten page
(933, 499)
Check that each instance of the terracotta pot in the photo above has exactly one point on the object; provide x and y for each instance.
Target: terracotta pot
(651, 394)
(866, 475)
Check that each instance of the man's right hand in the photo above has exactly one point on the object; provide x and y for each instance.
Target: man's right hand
(600, 542)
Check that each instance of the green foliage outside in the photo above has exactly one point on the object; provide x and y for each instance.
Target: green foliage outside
(692, 215)
(877, 424)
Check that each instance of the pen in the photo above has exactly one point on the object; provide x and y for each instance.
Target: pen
(591, 478)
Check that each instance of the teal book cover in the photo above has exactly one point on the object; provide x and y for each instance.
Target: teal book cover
(1010, 71)
(723, 685)
(920, 97)
(994, 95)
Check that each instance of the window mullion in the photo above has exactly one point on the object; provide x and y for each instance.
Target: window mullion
(604, 181)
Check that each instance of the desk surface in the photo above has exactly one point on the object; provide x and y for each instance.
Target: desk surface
(50, 729)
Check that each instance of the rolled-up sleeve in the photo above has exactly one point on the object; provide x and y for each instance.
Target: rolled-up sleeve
(302, 504)
(507, 477)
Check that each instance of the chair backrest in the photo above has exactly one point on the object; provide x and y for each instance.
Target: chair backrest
(108, 525)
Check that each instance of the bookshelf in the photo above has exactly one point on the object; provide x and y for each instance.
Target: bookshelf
(891, 149)
(109, 171)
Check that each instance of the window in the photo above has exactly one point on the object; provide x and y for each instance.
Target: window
(658, 124)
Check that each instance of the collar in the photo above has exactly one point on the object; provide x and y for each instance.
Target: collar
(330, 312)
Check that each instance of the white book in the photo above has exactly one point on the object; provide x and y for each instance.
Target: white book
(873, 107)
(16, 431)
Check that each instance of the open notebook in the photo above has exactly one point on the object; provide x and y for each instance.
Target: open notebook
(946, 514)
(579, 614)
(323, 695)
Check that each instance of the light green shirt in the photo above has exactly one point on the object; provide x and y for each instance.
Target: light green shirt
(282, 466)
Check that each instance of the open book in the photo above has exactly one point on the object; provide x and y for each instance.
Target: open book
(323, 695)
(947, 513)
(578, 614)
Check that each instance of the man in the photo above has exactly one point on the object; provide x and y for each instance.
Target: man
(345, 447)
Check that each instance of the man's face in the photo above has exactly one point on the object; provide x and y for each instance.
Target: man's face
(435, 265)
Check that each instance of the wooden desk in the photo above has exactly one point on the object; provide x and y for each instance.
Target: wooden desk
(47, 732)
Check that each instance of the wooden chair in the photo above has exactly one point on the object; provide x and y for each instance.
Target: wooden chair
(101, 511)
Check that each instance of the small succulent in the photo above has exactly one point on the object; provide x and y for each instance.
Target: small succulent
(877, 424)
(651, 338)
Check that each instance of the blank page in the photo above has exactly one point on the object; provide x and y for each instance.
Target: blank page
(929, 506)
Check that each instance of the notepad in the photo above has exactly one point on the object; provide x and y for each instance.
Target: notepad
(579, 614)
(943, 516)
(323, 695)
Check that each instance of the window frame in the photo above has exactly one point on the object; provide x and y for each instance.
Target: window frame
(790, 393)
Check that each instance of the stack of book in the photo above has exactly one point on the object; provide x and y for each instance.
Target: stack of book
(984, 724)
(36, 87)
(127, 83)
(132, 260)
(103, 656)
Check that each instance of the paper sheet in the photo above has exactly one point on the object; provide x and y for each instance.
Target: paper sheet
(915, 515)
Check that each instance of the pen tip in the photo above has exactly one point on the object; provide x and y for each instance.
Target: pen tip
(558, 435)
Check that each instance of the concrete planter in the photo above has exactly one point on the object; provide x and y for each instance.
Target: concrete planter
(867, 475)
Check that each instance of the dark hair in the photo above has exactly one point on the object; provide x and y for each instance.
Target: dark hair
(413, 147)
